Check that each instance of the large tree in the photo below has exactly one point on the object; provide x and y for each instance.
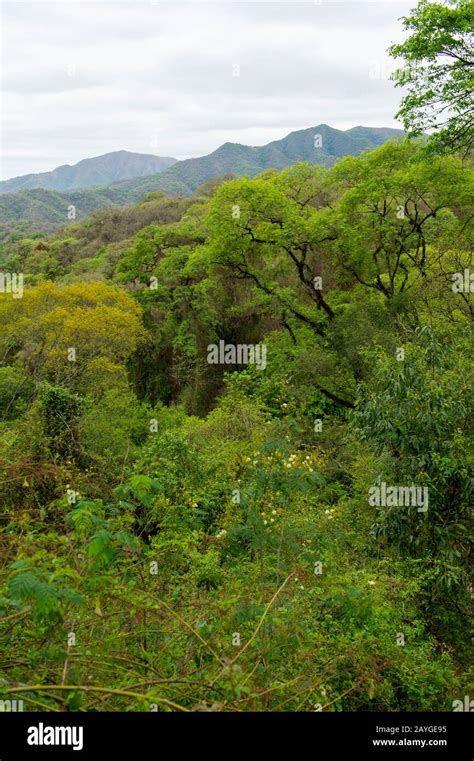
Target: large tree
(438, 73)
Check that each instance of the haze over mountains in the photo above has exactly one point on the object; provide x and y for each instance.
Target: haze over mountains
(45, 207)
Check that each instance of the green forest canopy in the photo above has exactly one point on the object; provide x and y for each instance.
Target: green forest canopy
(179, 534)
(184, 536)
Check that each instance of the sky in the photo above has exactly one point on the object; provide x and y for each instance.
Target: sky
(82, 78)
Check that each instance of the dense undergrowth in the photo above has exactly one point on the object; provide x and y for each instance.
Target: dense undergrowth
(180, 535)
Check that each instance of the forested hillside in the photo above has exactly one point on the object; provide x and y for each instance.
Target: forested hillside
(43, 209)
(236, 445)
(236, 419)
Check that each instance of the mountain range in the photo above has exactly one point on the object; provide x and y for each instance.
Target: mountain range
(98, 171)
(44, 208)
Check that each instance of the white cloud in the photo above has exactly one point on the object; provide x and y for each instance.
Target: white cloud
(81, 78)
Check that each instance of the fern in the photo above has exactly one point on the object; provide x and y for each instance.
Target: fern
(100, 548)
(22, 586)
(44, 595)
(85, 516)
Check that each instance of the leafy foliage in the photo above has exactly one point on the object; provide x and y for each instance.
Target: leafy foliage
(438, 73)
(194, 536)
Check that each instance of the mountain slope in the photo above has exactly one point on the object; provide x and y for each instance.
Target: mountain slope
(97, 171)
(186, 176)
(44, 210)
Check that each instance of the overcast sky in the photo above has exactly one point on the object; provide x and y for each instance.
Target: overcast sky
(178, 79)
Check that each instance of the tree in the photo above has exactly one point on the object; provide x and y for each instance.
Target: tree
(416, 414)
(61, 334)
(438, 73)
(392, 211)
(266, 238)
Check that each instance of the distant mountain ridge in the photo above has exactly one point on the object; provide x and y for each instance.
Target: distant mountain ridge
(317, 145)
(93, 172)
(44, 209)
